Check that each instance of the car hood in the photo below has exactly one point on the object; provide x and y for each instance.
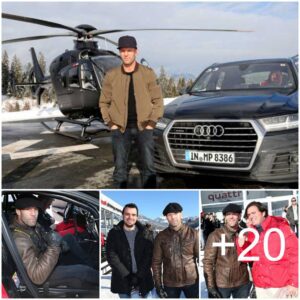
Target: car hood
(232, 105)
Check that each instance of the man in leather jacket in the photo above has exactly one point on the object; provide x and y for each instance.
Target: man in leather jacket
(40, 251)
(176, 250)
(226, 276)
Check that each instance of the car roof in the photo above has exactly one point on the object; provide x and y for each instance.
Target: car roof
(254, 61)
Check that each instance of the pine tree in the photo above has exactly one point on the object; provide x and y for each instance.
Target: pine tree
(5, 72)
(16, 75)
(163, 81)
(27, 70)
(42, 62)
(171, 88)
(16, 70)
(26, 78)
(181, 85)
(189, 82)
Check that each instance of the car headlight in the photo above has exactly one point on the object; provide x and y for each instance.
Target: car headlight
(162, 123)
(280, 122)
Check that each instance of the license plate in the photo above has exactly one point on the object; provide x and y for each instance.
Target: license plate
(210, 157)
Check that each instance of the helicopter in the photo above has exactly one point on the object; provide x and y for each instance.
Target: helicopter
(76, 75)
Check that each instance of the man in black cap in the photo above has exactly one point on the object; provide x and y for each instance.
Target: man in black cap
(40, 250)
(176, 250)
(225, 276)
(131, 103)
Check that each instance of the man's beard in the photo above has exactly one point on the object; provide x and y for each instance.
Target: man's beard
(129, 225)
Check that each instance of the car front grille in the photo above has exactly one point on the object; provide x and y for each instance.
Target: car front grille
(238, 137)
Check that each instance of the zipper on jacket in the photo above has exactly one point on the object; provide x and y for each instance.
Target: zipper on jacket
(126, 102)
(182, 267)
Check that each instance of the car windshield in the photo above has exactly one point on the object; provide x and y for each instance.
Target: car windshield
(245, 76)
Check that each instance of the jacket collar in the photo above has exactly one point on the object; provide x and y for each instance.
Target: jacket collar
(135, 69)
(272, 221)
(183, 226)
(230, 231)
(138, 224)
(24, 228)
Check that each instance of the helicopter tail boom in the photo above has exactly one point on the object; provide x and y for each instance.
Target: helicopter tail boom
(39, 75)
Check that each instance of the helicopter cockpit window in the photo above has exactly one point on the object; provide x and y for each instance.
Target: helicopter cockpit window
(87, 79)
(73, 77)
(104, 63)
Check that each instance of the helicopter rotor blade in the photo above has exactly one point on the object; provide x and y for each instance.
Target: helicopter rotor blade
(99, 32)
(37, 37)
(107, 40)
(41, 22)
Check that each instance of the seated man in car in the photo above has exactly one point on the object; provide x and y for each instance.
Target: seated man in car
(275, 79)
(73, 251)
(40, 251)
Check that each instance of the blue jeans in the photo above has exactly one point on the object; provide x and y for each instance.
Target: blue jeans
(75, 255)
(121, 144)
(237, 292)
(190, 291)
(74, 276)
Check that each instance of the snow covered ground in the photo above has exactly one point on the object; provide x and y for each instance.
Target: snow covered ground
(107, 294)
(35, 113)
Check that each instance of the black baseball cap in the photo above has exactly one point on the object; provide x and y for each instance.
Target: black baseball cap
(172, 207)
(26, 202)
(233, 208)
(127, 41)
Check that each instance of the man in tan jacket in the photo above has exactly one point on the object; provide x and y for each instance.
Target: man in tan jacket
(131, 103)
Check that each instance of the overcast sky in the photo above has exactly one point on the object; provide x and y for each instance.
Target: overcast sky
(275, 26)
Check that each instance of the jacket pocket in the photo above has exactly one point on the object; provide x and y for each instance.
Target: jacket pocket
(190, 272)
(223, 276)
(167, 249)
(188, 247)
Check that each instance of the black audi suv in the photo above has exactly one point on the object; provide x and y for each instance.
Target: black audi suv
(238, 120)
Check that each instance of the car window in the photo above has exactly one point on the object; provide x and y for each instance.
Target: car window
(246, 76)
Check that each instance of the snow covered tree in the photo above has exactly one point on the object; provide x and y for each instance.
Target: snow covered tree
(5, 72)
(42, 62)
(26, 78)
(16, 76)
(171, 88)
(163, 81)
(181, 84)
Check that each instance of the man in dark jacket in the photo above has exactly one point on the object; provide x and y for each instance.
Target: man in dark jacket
(293, 216)
(131, 103)
(176, 250)
(226, 276)
(129, 248)
(40, 251)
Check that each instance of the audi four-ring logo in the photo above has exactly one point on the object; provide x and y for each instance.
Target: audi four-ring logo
(209, 130)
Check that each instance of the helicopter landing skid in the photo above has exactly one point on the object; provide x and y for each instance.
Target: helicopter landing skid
(84, 136)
